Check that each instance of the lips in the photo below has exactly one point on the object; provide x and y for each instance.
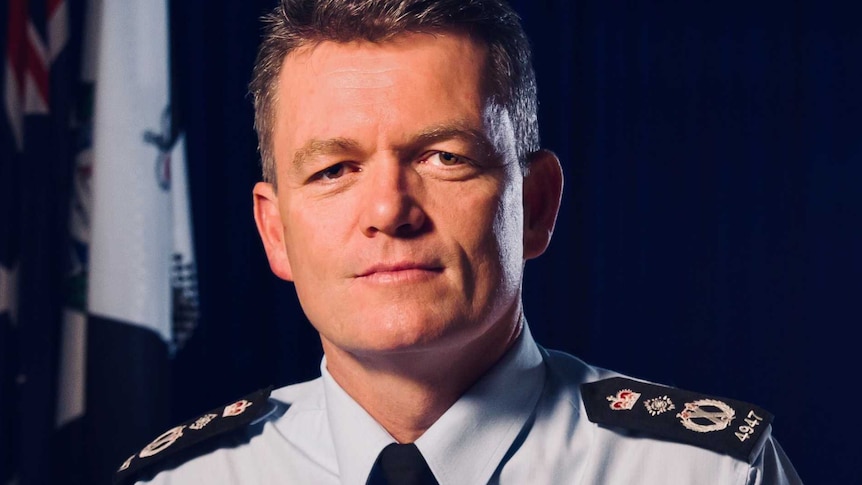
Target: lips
(401, 271)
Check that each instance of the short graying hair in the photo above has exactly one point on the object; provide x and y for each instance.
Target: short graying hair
(509, 77)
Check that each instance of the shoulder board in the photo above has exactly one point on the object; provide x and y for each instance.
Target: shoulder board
(217, 422)
(723, 425)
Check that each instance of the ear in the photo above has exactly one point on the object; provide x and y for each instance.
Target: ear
(543, 187)
(267, 216)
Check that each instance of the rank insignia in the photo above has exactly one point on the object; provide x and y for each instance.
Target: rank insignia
(202, 421)
(164, 440)
(236, 408)
(182, 438)
(624, 400)
(705, 415)
(658, 405)
(722, 425)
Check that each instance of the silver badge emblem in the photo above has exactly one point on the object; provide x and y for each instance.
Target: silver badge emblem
(659, 405)
(166, 439)
(706, 415)
(202, 421)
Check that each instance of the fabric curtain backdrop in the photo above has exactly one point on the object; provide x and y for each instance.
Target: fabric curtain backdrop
(709, 223)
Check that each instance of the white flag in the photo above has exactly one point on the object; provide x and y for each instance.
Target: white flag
(131, 227)
(132, 238)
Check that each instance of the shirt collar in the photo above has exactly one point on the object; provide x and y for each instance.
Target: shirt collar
(358, 438)
(467, 443)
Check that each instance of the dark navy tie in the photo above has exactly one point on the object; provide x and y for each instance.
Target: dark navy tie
(401, 465)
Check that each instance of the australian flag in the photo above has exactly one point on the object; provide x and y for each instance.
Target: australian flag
(97, 275)
(36, 153)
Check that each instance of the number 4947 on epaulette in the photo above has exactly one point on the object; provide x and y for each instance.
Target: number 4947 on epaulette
(745, 432)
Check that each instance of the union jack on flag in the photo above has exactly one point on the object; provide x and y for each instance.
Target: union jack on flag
(37, 33)
(35, 159)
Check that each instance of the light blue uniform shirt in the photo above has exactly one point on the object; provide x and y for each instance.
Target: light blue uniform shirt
(523, 422)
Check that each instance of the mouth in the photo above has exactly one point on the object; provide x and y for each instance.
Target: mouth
(399, 272)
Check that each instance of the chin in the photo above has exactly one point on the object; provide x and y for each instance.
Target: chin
(397, 334)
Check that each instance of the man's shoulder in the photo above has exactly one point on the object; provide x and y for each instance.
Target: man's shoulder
(636, 408)
(566, 373)
(302, 394)
(716, 423)
(225, 429)
(636, 431)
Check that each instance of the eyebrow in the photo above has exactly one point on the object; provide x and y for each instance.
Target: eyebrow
(318, 148)
(455, 131)
(435, 133)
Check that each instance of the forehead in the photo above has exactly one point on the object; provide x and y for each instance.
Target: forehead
(401, 51)
(329, 88)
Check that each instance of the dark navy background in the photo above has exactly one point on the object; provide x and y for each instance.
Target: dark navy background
(710, 224)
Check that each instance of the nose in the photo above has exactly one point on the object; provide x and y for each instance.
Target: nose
(390, 203)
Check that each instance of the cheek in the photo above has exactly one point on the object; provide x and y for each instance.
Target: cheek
(491, 223)
(310, 240)
(509, 233)
(313, 260)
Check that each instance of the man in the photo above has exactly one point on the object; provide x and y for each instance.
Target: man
(403, 191)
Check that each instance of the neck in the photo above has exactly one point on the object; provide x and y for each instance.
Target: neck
(406, 392)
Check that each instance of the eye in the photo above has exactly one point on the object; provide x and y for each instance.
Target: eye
(331, 173)
(446, 158)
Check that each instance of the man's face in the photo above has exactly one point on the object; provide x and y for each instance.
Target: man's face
(399, 212)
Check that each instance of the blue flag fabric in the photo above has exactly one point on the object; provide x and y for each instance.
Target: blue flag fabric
(39, 70)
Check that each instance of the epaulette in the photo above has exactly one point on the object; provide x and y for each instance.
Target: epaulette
(723, 425)
(216, 422)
